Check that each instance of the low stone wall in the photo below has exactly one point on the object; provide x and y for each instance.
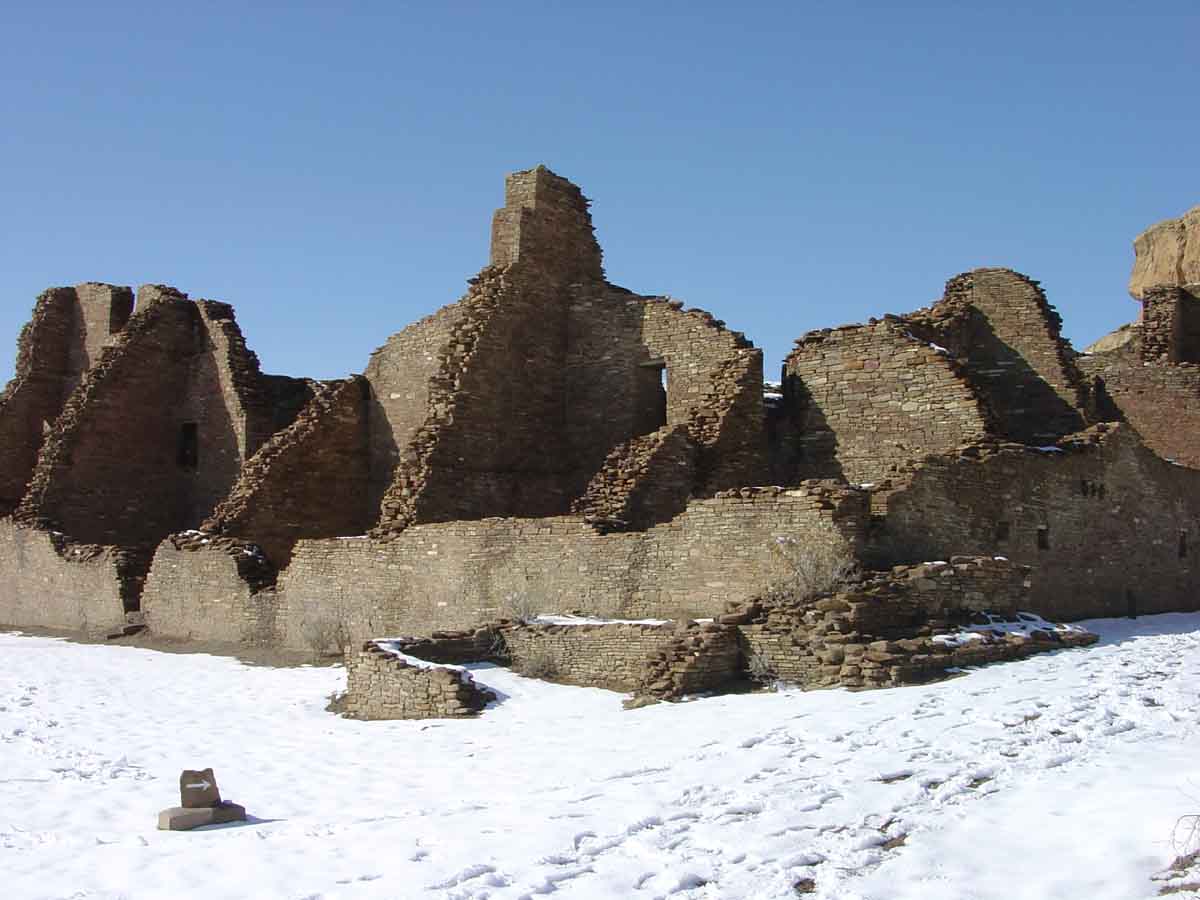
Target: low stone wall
(50, 583)
(612, 655)
(459, 575)
(895, 628)
(382, 685)
(199, 589)
(703, 657)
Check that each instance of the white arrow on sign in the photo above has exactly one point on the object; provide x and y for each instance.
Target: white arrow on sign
(200, 786)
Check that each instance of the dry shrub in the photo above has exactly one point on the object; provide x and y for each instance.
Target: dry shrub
(818, 562)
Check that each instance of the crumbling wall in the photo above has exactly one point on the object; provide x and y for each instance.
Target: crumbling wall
(545, 224)
(866, 399)
(383, 685)
(63, 338)
(208, 588)
(636, 364)
(491, 443)
(1009, 337)
(309, 480)
(892, 627)
(614, 656)
(456, 575)
(156, 431)
(400, 374)
(50, 582)
(109, 471)
(99, 311)
(1161, 401)
(1109, 527)
(714, 386)
(647, 480)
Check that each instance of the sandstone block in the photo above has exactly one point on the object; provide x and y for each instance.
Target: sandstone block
(180, 818)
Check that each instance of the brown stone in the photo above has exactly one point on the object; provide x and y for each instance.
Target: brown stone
(198, 789)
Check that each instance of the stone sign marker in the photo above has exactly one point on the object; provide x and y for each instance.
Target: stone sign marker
(201, 804)
(198, 789)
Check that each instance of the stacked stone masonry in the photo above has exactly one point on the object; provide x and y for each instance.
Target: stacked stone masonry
(555, 441)
(383, 685)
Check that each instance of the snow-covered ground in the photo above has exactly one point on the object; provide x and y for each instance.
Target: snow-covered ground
(1060, 776)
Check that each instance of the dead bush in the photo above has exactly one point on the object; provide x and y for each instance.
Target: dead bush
(818, 562)
(538, 663)
(326, 636)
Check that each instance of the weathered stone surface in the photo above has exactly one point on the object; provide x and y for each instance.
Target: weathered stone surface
(198, 788)
(180, 818)
(1167, 253)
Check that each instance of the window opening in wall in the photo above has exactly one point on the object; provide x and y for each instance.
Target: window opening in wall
(652, 397)
(1182, 543)
(1002, 531)
(188, 455)
(1043, 537)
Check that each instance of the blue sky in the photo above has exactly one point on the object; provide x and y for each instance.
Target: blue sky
(332, 172)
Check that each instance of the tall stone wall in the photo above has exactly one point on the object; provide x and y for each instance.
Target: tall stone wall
(545, 223)
(1161, 401)
(400, 375)
(63, 338)
(51, 583)
(867, 399)
(309, 480)
(109, 471)
(100, 311)
(1008, 336)
(1109, 527)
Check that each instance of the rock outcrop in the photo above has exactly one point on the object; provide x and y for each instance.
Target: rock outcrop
(1167, 253)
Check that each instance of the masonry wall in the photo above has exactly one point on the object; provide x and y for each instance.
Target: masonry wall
(892, 627)
(196, 591)
(867, 399)
(50, 583)
(611, 656)
(399, 375)
(309, 480)
(457, 575)
(545, 223)
(380, 685)
(1001, 325)
(63, 338)
(1108, 526)
(1161, 401)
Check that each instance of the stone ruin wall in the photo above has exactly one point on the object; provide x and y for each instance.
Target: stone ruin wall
(867, 399)
(884, 630)
(1108, 527)
(545, 222)
(403, 374)
(309, 480)
(66, 333)
(382, 685)
(1008, 337)
(456, 575)
(621, 349)
(51, 583)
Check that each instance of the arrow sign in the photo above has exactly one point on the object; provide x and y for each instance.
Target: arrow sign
(199, 786)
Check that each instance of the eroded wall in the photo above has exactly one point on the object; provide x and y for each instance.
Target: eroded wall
(1108, 527)
(65, 335)
(867, 399)
(49, 583)
(1000, 325)
(457, 575)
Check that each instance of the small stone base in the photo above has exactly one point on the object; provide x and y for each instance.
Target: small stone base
(179, 818)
